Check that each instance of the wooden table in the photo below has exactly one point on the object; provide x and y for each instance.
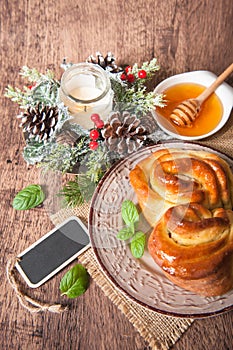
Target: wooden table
(183, 35)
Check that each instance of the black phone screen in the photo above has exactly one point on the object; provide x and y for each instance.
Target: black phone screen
(53, 251)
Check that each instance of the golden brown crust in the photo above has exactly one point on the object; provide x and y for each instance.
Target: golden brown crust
(187, 197)
(195, 251)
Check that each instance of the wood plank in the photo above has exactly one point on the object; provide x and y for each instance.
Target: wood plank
(184, 35)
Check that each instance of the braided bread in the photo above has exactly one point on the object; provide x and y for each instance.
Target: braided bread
(187, 197)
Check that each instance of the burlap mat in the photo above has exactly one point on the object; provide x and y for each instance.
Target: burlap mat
(161, 332)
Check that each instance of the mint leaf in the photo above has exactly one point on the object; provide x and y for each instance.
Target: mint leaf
(129, 212)
(137, 245)
(131, 217)
(125, 233)
(75, 282)
(30, 197)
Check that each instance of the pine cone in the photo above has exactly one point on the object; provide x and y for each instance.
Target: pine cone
(67, 137)
(148, 121)
(124, 133)
(108, 62)
(39, 122)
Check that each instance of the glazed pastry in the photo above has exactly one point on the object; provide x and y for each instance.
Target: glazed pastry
(173, 177)
(187, 197)
(194, 247)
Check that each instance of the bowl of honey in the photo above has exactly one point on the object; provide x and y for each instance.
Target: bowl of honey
(214, 112)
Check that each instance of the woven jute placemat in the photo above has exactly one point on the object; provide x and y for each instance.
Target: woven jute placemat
(160, 331)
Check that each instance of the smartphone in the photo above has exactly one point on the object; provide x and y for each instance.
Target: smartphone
(52, 252)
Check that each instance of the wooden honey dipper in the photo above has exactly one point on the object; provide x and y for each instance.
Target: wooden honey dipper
(187, 111)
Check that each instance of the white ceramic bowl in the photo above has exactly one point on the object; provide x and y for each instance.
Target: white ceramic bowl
(205, 78)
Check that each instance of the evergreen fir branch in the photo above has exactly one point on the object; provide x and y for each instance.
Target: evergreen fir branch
(149, 67)
(87, 186)
(134, 97)
(97, 163)
(142, 104)
(119, 88)
(82, 188)
(78, 129)
(63, 157)
(64, 116)
(72, 195)
(22, 98)
(45, 90)
(76, 192)
(138, 101)
(34, 76)
(34, 152)
(31, 74)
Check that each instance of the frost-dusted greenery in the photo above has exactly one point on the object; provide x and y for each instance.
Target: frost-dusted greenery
(62, 157)
(134, 97)
(43, 89)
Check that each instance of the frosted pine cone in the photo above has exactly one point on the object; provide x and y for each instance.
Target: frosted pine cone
(108, 62)
(39, 122)
(124, 133)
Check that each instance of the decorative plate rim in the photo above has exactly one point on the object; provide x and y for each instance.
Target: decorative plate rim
(95, 249)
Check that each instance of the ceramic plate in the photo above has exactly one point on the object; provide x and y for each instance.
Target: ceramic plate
(141, 279)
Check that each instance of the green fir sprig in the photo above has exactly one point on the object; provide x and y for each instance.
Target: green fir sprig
(63, 157)
(78, 191)
(43, 88)
(97, 163)
(134, 96)
(149, 67)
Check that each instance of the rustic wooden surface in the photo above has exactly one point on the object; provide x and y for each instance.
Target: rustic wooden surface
(184, 35)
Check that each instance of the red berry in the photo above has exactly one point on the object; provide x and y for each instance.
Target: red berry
(99, 124)
(123, 76)
(32, 86)
(128, 69)
(94, 134)
(130, 78)
(95, 117)
(93, 145)
(142, 74)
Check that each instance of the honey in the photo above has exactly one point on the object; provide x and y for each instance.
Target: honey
(208, 118)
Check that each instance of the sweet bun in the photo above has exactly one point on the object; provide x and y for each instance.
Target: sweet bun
(194, 247)
(186, 196)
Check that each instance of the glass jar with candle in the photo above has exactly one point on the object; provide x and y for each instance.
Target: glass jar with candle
(86, 89)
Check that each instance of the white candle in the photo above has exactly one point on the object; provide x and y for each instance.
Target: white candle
(86, 93)
(86, 89)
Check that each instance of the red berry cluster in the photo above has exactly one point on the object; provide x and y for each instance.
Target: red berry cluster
(130, 77)
(94, 133)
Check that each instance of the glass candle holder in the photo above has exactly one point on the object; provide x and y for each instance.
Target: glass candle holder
(86, 89)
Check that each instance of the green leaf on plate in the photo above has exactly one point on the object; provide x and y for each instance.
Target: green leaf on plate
(75, 282)
(30, 197)
(137, 245)
(129, 212)
(125, 233)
